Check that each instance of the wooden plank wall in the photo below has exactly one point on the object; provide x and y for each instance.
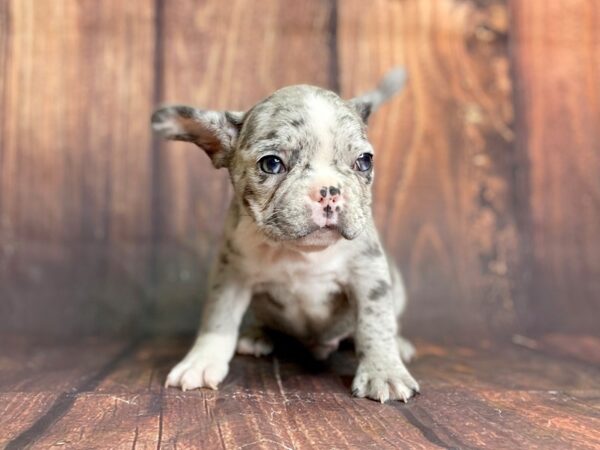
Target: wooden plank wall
(557, 95)
(487, 191)
(75, 163)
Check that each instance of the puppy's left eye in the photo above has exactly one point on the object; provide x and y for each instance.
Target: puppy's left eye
(364, 162)
(271, 164)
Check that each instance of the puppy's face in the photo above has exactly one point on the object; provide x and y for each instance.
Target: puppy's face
(300, 162)
(302, 166)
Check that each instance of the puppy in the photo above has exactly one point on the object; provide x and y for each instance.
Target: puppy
(300, 247)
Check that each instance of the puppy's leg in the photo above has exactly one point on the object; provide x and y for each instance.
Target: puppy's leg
(207, 362)
(381, 374)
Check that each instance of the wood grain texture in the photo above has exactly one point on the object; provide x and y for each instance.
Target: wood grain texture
(34, 364)
(489, 395)
(20, 410)
(557, 59)
(76, 88)
(220, 58)
(443, 153)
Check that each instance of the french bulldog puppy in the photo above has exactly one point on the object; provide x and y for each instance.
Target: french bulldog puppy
(300, 247)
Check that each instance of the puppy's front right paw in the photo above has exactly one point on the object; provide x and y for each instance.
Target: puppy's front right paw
(198, 370)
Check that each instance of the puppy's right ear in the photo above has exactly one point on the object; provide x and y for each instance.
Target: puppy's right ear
(214, 131)
(391, 83)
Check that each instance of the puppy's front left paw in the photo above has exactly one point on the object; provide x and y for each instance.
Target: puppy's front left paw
(198, 370)
(383, 381)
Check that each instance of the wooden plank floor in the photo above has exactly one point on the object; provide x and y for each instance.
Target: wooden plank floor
(97, 393)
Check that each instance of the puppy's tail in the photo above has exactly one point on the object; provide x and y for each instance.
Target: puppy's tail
(390, 84)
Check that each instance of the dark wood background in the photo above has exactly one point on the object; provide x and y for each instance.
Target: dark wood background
(488, 188)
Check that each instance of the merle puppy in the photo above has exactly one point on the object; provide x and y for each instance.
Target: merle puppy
(300, 248)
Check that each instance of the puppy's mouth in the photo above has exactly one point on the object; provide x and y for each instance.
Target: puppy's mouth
(309, 235)
(331, 227)
(319, 237)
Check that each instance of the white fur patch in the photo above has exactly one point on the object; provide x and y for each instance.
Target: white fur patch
(317, 214)
(322, 120)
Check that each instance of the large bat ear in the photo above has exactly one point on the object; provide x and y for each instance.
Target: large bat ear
(390, 84)
(215, 132)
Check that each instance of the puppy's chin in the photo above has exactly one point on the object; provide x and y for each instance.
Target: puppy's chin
(317, 240)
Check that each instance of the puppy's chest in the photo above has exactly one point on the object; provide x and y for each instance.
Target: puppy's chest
(302, 291)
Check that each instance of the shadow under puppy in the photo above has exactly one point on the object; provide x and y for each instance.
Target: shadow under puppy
(300, 246)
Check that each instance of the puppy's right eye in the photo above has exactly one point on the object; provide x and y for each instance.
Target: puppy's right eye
(364, 163)
(271, 164)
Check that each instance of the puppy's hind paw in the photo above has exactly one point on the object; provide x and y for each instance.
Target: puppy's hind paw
(254, 344)
(406, 349)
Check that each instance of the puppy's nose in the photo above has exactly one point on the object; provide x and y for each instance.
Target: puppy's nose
(327, 203)
(326, 194)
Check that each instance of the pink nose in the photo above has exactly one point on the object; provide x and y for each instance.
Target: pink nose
(327, 204)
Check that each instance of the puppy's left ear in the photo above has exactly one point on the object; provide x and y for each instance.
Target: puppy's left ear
(390, 84)
(215, 132)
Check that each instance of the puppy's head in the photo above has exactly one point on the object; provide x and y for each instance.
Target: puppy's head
(300, 161)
